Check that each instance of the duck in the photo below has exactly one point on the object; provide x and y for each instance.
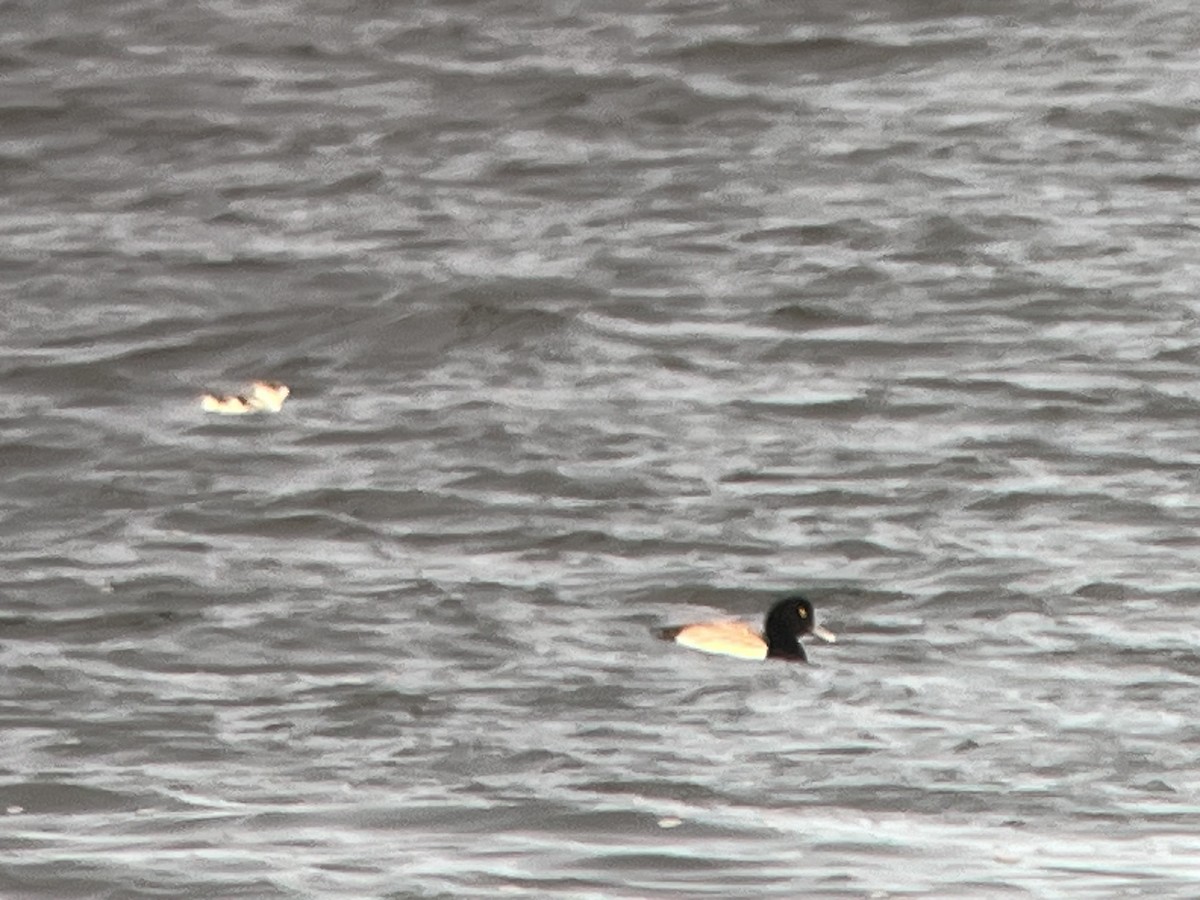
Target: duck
(780, 638)
(264, 396)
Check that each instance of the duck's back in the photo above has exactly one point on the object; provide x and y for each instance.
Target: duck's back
(727, 638)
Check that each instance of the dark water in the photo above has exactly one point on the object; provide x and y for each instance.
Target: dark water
(599, 316)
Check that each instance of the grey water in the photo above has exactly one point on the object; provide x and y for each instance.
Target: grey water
(599, 316)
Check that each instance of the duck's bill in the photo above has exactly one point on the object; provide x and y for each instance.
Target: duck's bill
(824, 634)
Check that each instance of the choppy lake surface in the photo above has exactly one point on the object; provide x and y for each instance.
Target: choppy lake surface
(598, 317)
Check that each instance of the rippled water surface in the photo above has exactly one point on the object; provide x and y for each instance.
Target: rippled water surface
(598, 317)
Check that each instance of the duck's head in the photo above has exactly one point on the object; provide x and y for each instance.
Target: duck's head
(786, 621)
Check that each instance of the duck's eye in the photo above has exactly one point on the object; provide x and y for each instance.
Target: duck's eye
(803, 613)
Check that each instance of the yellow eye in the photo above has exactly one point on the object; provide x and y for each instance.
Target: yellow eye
(803, 613)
